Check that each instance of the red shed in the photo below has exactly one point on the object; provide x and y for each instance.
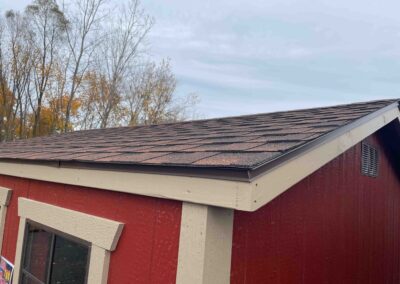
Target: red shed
(305, 196)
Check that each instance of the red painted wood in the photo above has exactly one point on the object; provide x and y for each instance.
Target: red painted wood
(336, 226)
(148, 248)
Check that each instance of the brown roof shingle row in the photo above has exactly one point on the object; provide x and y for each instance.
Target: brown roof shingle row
(242, 142)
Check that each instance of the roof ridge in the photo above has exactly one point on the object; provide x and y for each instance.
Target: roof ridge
(260, 113)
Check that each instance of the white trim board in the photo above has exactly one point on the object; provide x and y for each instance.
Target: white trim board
(102, 232)
(221, 193)
(5, 196)
(205, 245)
(239, 195)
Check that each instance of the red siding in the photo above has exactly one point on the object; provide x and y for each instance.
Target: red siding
(336, 226)
(148, 249)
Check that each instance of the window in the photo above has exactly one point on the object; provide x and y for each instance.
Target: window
(52, 258)
(62, 246)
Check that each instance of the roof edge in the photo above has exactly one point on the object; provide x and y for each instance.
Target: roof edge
(227, 173)
(272, 179)
(245, 195)
(220, 193)
(271, 164)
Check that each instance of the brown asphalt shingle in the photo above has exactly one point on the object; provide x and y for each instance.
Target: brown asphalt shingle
(243, 142)
(275, 146)
(180, 158)
(237, 159)
(131, 157)
(224, 147)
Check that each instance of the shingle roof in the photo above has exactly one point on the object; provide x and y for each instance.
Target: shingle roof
(243, 142)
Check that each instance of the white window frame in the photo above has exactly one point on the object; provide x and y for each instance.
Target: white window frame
(5, 196)
(101, 233)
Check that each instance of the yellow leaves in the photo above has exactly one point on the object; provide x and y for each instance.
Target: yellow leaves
(51, 120)
(6, 97)
(7, 103)
(52, 116)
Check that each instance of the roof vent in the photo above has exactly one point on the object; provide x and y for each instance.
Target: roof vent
(369, 160)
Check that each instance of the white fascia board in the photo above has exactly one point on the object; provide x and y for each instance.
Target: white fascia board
(220, 193)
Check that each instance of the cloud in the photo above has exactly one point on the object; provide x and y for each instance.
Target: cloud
(245, 56)
(238, 55)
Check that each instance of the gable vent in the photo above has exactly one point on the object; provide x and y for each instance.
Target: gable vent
(369, 160)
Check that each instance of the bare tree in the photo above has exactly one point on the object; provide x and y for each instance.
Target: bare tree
(4, 91)
(118, 55)
(73, 67)
(48, 25)
(83, 22)
(20, 60)
(150, 94)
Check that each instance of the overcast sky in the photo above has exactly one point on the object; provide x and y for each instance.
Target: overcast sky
(244, 56)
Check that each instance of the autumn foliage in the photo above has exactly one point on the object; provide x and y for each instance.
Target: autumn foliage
(77, 66)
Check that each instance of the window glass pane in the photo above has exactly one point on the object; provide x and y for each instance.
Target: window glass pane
(69, 262)
(37, 252)
(27, 280)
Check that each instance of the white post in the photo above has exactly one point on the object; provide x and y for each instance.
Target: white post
(205, 245)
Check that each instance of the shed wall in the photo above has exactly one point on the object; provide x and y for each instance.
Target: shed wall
(336, 226)
(147, 251)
